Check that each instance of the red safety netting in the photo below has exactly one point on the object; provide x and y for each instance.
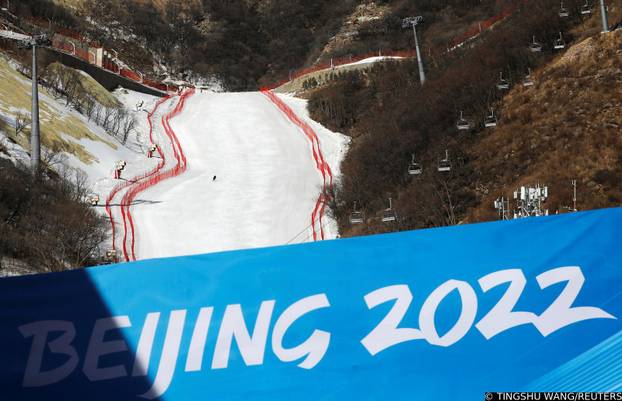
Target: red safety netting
(130, 74)
(67, 46)
(144, 181)
(321, 165)
(470, 34)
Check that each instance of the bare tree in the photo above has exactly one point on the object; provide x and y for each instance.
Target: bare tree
(89, 104)
(107, 117)
(21, 121)
(127, 126)
(51, 157)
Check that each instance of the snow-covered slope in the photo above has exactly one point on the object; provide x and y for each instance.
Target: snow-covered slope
(266, 184)
(87, 147)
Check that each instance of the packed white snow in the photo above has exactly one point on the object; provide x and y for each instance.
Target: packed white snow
(265, 187)
(266, 184)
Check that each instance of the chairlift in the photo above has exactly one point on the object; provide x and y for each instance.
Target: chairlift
(388, 215)
(528, 80)
(586, 9)
(444, 165)
(535, 47)
(491, 120)
(414, 168)
(563, 11)
(559, 43)
(356, 217)
(462, 123)
(503, 84)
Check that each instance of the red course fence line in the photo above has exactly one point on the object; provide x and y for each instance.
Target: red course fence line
(320, 164)
(126, 184)
(470, 34)
(146, 180)
(159, 176)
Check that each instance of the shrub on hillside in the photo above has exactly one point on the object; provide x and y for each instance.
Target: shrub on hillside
(46, 223)
(393, 117)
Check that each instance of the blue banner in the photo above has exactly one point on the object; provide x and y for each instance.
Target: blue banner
(446, 314)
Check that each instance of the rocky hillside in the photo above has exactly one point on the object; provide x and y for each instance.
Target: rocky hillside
(248, 43)
(567, 127)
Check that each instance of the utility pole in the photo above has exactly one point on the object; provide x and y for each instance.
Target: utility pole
(603, 16)
(35, 139)
(574, 195)
(414, 21)
(503, 207)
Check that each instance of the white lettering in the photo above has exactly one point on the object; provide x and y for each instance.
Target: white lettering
(561, 313)
(145, 345)
(465, 321)
(251, 348)
(386, 334)
(170, 352)
(314, 347)
(501, 317)
(197, 343)
(33, 376)
(97, 348)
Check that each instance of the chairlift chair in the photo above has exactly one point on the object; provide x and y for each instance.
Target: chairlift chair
(563, 11)
(414, 168)
(503, 84)
(559, 43)
(535, 47)
(388, 215)
(586, 9)
(528, 80)
(462, 123)
(444, 165)
(491, 120)
(356, 217)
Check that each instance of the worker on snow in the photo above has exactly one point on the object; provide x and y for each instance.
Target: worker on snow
(213, 178)
(151, 150)
(118, 168)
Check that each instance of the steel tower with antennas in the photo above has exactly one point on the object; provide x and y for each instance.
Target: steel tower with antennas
(530, 201)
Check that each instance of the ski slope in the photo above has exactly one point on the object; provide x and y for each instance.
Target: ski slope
(267, 181)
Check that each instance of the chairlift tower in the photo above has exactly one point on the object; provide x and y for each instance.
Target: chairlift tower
(414, 21)
(33, 42)
(574, 195)
(530, 200)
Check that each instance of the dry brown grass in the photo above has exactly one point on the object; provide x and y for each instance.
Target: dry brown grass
(569, 126)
